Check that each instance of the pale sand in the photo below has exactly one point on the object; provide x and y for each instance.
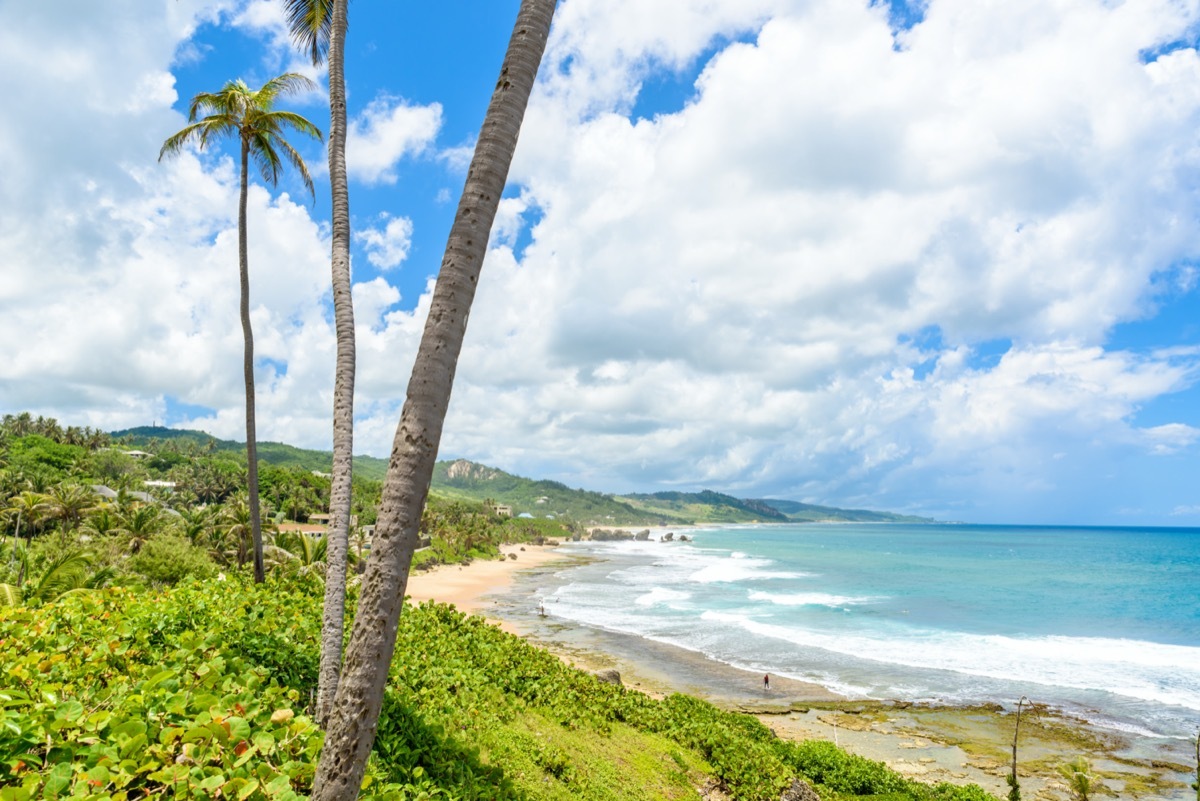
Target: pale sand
(468, 587)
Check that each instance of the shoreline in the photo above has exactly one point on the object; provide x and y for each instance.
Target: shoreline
(928, 742)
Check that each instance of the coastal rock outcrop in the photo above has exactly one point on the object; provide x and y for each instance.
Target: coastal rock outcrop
(670, 535)
(642, 535)
(800, 791)
(616, 535)
(609, 676)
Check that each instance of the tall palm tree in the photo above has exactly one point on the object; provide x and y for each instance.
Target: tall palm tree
(31, 507)
(350, 729)
(319, 28)
(251, 116)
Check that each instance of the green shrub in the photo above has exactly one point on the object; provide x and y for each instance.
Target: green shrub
(168, 560)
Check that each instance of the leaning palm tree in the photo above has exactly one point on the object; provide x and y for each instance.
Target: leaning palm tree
(251, 116)
(319, 28)
(350, 729)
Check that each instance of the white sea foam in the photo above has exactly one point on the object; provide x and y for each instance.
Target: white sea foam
(661, 595)
(811, 599)
(1167, 674)
(745, 569)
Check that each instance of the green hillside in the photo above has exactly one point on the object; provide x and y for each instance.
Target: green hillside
(464, 480)
(810, 513)
(706, 507)
(469, 481)
(276, 453)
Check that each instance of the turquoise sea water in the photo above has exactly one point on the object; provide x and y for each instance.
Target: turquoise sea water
(1104, 622)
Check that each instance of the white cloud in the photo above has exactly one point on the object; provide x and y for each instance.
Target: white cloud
(1171, 438)
(843, 271)
(388, 130)
(388, 246)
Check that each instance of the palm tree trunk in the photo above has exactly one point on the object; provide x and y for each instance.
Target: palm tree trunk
(248, 369)
(338, 538)
(350, 731)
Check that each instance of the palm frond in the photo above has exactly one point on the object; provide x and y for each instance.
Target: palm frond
(310, 23)
(10, 595)
(298, 162)
(265, 157)
(69, 571)
(290, 83)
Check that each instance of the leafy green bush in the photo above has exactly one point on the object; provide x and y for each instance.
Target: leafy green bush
(166, 560)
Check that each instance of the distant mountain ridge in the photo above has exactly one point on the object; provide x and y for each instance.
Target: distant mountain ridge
(811, 513)
(465, 480)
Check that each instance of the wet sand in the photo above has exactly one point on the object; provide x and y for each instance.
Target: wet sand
(929, 743)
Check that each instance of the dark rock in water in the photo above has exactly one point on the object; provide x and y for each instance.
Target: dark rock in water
(609, 676)
(552, 543)
(670, 535)
(512, 556)
(799, 791)
(576, 537)
(642, 535)
(602, 535)
(684, 538)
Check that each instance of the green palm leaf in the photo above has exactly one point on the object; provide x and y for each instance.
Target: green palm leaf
(10, 595)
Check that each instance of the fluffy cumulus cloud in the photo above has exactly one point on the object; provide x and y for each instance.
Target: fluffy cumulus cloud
(387, 246)
(856, 264)
(388, 130)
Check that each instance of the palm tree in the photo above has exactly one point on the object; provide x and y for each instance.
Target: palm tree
(319, 28)
(68, 503)
(30, 506)
(251, 116)
(350, 729)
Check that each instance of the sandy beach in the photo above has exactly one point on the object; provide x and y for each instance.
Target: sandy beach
(470, 587)
(930, 743)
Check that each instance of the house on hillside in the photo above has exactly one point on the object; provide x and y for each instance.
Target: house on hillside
(502, 510)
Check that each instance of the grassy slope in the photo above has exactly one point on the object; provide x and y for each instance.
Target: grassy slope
(200, 692)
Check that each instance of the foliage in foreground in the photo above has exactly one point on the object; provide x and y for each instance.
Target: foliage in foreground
(202, 692)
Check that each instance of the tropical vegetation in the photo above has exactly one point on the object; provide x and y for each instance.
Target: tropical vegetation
(205, 691)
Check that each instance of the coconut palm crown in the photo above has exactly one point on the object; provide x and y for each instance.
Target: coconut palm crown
(251, 116)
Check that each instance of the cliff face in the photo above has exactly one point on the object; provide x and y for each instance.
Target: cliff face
(462, 470)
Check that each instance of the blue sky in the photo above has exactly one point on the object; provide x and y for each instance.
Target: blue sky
(937, 258)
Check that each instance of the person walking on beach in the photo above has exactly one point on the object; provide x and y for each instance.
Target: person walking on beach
(767, 682)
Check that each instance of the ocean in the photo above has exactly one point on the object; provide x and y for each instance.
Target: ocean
(1101, 622)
